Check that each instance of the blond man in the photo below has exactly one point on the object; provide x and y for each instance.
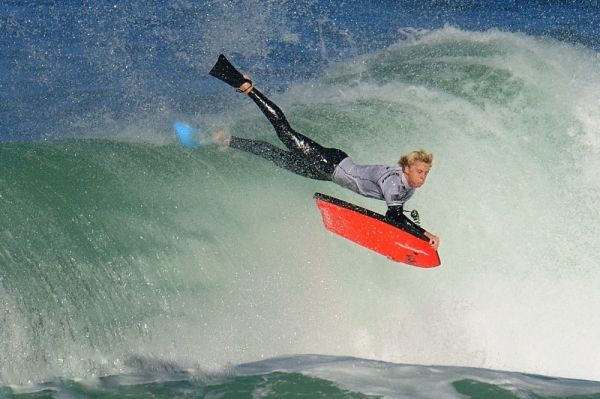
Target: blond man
(305, 157)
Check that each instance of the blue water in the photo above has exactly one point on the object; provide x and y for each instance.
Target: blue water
(131, 266)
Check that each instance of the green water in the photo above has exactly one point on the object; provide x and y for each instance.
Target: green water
(274, 385)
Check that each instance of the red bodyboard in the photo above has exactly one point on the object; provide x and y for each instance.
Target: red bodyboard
(373, 231)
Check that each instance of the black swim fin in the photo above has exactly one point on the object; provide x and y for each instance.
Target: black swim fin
(226, 72)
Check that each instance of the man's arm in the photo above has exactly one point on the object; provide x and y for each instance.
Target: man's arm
(396, 215)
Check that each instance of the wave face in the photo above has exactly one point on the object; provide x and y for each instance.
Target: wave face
(118, 243)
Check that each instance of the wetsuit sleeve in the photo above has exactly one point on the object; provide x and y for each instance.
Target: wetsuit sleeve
(395, 214)
(394, 191)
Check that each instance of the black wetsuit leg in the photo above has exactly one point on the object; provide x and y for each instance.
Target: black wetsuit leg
(284, 159)
(321, 158)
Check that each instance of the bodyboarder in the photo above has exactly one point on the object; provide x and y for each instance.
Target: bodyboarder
(305, 157)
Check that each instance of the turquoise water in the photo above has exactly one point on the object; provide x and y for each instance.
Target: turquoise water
(315, 377)
(130, 266)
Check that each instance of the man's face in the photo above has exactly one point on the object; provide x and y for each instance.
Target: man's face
(416, 174)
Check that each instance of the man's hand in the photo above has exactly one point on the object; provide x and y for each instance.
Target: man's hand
(434, 240)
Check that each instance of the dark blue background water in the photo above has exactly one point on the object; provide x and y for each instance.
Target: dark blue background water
(93, 68)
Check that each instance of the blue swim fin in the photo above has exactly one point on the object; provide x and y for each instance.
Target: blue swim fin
(188, 136)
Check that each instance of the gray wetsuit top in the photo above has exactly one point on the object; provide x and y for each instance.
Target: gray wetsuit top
(376, 181)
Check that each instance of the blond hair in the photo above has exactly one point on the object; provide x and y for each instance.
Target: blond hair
(416, 156)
